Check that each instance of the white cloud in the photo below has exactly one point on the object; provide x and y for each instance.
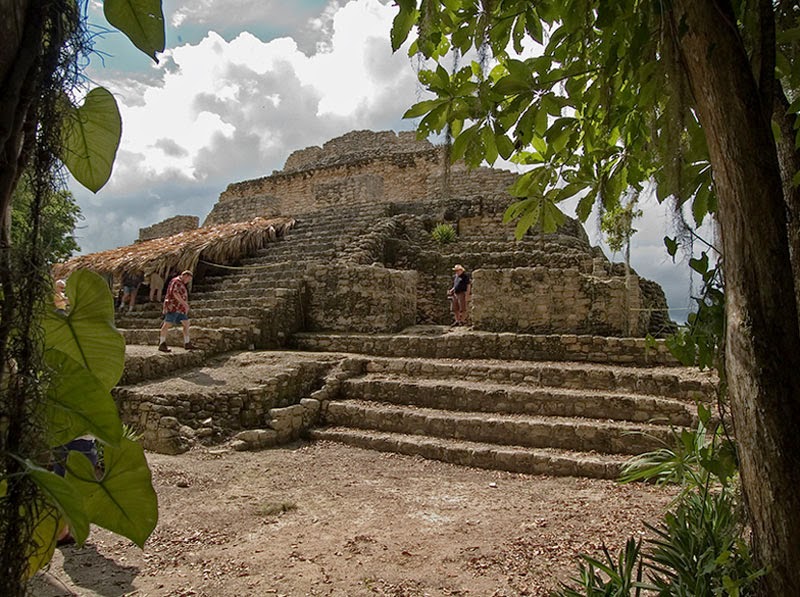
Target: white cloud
(219, 111)
(240, 13)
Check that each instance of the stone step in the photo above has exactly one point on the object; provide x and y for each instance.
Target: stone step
(299, 248)
(686, 384)
(608, 437)
(254, 288)
(264, 290)
(210, 339)
(146, 362)
(512, 259)
(297, 253)
(234, 310)
(219, 319)
(528, 252)
(443, 342)
(343, 216)
(146, 311)
(539, 461)
(242, 295)
(472, 396)
(246, 276)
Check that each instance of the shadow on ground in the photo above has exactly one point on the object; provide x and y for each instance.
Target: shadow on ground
(81, 566)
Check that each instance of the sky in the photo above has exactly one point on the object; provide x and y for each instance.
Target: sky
(241, 85)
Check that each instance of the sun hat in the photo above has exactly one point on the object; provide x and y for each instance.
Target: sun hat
(187, 272)
(458, 266)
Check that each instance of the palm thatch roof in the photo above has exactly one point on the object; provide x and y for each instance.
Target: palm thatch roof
(221, 244)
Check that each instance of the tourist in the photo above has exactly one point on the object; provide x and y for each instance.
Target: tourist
(85, 445)
(176, 310)
(156, 283)
(60, 299)
(459, 294)
(130, 286)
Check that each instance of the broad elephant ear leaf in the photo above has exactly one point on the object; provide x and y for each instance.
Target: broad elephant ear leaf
(124, 500)
(43, 539)
(78, 403)
(88, 334)
(64, 497)
(90, 138)
(142, 21)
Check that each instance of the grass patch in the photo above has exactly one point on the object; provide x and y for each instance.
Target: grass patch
(275, 508)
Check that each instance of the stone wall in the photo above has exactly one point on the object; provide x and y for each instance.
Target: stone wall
(486, 183)
(349, 191)
(543, 300)
(361, 298)
(168, 227)
(655, 303)
(170, 423)
(286, 317)
(497, 345)
(355, 146)
(366, 166)
(242, 209)
(403, 178)
(411, 247)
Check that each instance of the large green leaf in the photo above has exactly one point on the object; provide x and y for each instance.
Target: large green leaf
(124, 500)
(64, 496)
(91, 137)
(423, 107)
(43, 540)
(141, 20)
(552, 217)
(403, 22)
(88, 334)
(78, 404)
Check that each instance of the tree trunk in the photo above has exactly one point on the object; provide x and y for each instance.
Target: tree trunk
(21, 41)
(763, 339)
(789, 160)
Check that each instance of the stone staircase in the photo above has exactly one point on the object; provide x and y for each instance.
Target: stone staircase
(520, 415)
(539, 417)
(234, 308)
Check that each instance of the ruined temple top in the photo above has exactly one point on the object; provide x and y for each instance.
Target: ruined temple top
(359, 168)
(355, 146)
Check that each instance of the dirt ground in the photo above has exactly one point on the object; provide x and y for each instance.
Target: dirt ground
(327, 519)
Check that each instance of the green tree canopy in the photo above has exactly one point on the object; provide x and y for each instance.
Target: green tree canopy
(59, 217)
(699, 97)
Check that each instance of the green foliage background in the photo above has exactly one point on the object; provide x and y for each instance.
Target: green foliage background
(59, 217)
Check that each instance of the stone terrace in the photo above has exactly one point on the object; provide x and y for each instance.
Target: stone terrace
(343, 324)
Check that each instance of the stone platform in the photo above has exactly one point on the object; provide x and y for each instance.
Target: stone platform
(529, 415)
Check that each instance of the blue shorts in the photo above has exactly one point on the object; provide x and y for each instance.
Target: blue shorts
(175, 317)
(86, 447)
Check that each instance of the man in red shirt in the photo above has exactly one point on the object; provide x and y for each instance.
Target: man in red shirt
(176, 310)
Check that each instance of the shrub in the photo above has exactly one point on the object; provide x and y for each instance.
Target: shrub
(622, 578)
(699, 549)
(444, 233)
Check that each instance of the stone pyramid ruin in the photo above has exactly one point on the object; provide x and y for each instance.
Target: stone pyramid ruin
(339, 329)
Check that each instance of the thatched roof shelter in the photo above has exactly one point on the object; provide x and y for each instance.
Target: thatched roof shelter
(221, 244)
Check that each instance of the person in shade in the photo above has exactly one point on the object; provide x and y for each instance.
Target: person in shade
(60, 300)
(176, 310)
(458, 294)
(156, 283)
(130, 287)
